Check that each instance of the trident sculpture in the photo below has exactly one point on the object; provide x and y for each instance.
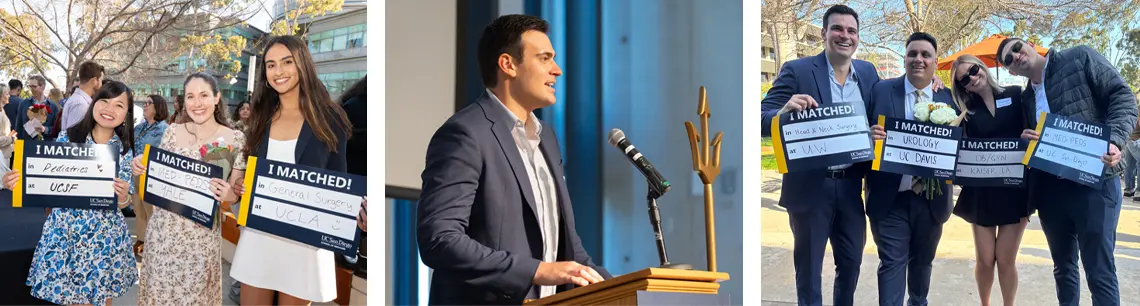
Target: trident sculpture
(707, 167)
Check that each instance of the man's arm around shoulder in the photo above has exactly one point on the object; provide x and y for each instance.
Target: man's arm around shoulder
(450, 181)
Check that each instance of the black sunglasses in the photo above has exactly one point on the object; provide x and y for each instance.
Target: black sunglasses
(965, 79)
(1008, 60)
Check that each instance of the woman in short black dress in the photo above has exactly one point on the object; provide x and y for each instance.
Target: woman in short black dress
(998, 214)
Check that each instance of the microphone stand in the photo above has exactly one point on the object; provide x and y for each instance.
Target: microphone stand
(655, 221)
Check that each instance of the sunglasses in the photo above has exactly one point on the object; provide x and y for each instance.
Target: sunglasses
(965, 79)
(1008, 60)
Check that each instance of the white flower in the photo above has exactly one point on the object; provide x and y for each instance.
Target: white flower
(922, 111)
(944, 115)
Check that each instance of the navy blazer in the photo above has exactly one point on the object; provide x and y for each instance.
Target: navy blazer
(477, 226)
(888, 98)
(809, 76)
(310, 151)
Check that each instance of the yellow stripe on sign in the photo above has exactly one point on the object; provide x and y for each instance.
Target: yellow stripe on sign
(879, 146)
(18, 164)
(142, 177)
(247, 195)
(1033, 143)
(778, 146)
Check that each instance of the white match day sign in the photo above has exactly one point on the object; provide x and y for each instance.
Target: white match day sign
(65, 174)
(821, 137)
(310, 205)
(1069, 148)
(917, 148)
(179, 184)
(992, 162)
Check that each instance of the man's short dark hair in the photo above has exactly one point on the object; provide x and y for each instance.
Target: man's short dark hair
(842, 10)
(89, 70)
(15, 84)
(504, 35)
(40, 80)
(922, 36)
(1001, 46)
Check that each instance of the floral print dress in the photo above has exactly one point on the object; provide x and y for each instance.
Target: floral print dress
(183, 260)
(84, 255)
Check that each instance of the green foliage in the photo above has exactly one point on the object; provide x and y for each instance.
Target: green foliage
(290, 24)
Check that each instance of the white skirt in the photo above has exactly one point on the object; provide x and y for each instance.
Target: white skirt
(268, 261)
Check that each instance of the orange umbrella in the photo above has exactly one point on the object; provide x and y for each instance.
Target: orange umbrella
(985, 50)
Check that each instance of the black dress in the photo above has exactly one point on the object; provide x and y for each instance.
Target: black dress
(994, 206)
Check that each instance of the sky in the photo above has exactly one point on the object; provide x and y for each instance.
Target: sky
(260, 21)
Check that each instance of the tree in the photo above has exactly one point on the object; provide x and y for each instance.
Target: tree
(17, 64)
(119, 34)
(301, 11)
(1129, 63)
(958, 23)
(783, 18)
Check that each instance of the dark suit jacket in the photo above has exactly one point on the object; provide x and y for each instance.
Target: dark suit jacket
(809, 76)
(312, 152)
(477, 224)
(22, 118)
(888, 98)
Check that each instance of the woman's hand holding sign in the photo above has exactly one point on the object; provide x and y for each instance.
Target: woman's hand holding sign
(221, 189)
(137, 166)
(362, 219)
(1030, 134)
(122, 191)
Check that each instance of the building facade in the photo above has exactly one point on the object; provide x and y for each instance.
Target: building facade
(338, 42)
(805, 41)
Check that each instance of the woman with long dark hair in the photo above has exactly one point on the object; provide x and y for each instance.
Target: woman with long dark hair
(293, 121)
(148, 132)
(84, 255)
(182, 262)
(241, 116)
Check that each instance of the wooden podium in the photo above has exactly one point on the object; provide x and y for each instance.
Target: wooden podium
(653, 286)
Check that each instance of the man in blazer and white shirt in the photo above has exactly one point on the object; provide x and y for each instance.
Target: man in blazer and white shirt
(495, 219)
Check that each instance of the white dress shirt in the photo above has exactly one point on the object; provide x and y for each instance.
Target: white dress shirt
(908, 180)
(526, 137)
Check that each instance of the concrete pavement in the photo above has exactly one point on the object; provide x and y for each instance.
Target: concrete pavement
(953, 276)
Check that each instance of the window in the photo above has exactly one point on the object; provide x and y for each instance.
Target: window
(339, 39)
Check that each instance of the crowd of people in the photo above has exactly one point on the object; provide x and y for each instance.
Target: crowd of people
(825, 205)
(86, 256)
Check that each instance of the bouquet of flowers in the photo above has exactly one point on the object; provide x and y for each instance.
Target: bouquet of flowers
(39, 112)
(220, 154)
(937, 113)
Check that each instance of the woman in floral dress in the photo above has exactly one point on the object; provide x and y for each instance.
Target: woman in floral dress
(182, 262)
(84, 255)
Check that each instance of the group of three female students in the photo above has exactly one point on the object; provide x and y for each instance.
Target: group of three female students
(85, 256)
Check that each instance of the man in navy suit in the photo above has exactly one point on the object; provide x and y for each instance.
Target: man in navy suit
(905, 225)
(495, 219)
(825, 204)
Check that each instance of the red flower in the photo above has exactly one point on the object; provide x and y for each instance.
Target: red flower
(202, 150)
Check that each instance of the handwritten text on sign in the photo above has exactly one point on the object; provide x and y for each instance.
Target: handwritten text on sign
(1069, 148)
(65, 174)
(991, 162)
(821, 137)
(309, 205)
(917, 148)
(180, 185)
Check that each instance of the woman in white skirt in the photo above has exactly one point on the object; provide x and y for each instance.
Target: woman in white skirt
(293, 121)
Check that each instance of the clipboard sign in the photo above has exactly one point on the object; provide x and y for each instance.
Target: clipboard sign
(179, 184)
(991, 162)
(1069, 148)
(65, 175)
(917, 148)
(309, 205)
(821, 137)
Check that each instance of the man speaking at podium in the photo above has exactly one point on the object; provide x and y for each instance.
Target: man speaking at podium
(495, 220)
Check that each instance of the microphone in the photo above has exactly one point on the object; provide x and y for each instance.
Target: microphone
(658, 185)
